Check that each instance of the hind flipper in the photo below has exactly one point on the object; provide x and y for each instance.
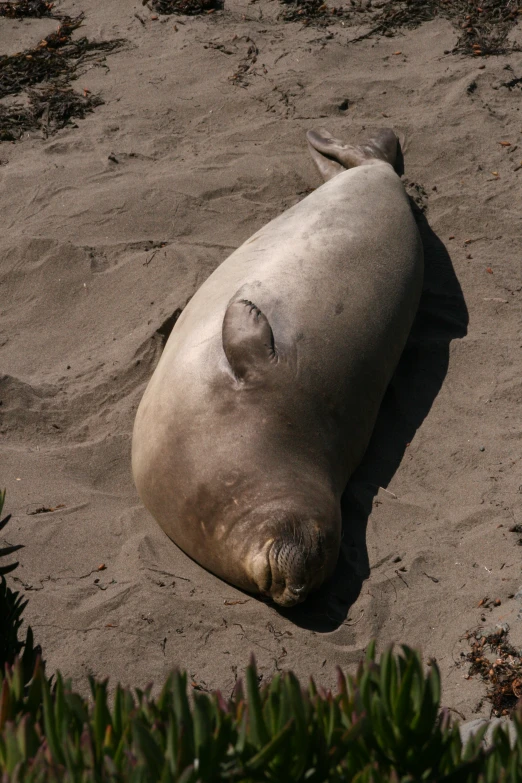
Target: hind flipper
(328, 167)
(382, 147)
(248, 340)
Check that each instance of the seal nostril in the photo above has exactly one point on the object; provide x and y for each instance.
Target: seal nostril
(298, 590)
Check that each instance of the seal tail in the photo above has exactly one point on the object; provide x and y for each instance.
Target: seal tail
(332, 156)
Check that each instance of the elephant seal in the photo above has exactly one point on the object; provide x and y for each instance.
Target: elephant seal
(266, 394)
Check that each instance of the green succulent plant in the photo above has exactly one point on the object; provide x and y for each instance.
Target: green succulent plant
(383, 725)
(12, 606)
(8, 550)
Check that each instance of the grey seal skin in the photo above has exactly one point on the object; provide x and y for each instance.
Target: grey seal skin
(266, 394)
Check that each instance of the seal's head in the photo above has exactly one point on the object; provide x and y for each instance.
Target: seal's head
(299, 554)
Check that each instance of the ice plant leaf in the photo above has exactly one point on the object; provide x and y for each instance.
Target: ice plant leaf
(258, 731)
(262, 759)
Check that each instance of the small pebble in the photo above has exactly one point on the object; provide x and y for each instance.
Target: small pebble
(482, 448)
(497, 602)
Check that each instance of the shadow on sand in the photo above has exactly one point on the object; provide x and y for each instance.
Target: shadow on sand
(442, 317)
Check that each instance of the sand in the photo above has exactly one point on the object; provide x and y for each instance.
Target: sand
(99, 252)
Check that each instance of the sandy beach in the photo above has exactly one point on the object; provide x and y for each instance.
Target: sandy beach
(112, 223)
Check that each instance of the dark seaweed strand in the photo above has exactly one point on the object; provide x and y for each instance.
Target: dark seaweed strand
(187, 7)
(499, 665)
(483, 25)
(49, 109)
(18, 9)
(52, 64)
(56, 57)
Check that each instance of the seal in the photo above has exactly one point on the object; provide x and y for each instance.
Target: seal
(267, 391)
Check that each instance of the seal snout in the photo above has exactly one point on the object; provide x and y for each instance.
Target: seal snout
(292, 595)
(297, 564)
(295, 552)
(297, 590)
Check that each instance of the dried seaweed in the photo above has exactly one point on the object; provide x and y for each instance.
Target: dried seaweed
(187, 7)
(53, 64)
(306, 11)
(14, 122)
(499, 664)
(54, 107)
(484, 25)
(243, 69)
(18, 9)
(57, 57)
(49, 109)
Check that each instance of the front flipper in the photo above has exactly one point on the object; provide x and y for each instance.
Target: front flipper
(248, 340)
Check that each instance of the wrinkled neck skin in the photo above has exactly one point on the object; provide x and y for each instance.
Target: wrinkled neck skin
(296, 548)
